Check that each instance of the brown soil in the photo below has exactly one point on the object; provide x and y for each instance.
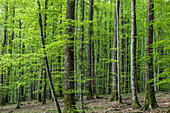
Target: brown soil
(102, 105)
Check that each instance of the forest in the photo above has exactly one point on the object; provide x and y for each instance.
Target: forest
(87, 56)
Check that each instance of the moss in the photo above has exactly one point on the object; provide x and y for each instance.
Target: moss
(69, 103)
(120, 99)
(18, 107)
(150, 100)
(136, 104)
(114, 96)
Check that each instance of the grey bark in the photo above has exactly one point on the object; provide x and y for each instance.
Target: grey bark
(69, 94)
(2, 97)
(81, 57)
(133, 55)
(114, 96)
(89, 63)
(150, 100)
(75, 53)
(108, 91)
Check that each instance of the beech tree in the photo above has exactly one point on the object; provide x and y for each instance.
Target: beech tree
(81, 57)
(150, 100)
(114, 63)
(69, 95)
(89, 57)
(2, 75)
(133, 54)
(46, 60)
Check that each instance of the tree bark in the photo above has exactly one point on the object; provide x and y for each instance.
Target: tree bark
(39, 98)
(109, 74)
(150, 100)
(114, 96)
(69, 95)
(46, 60)
(89, 63)
(133, 55)
(75, 52)
(2, 97)
(81, 57)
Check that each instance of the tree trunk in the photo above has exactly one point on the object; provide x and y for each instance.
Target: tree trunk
(2, 97)
(75, 52)
(150, 100)
(133, 55)
(114, 96)
(10, 52)
(46, 60)
(81, 57)
(59, 59)
(118, 51)
(122, 57)
(39, 98)
(89, 63)
(109, 74)
(18, 95)
(44, 94)
(69, 95)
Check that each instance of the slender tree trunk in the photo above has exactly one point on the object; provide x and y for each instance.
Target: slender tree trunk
(114, 96)
(69, 97)
(122, 57)
(89, 63)
(143, 60)
(97, 52)
(10, 52)
(154, 60)
(59, 59)
(39, 98)
(118, 51)
(45, 35)
(133, 55)
(81, 57)
(92, 67)
(109, 74)
(2, 97)
(46, 60)
(44, 95)
(75, 53)
(150, 100)
(160, 51)
(19, 88)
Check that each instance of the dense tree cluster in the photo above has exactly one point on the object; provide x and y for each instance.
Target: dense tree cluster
(77, 48)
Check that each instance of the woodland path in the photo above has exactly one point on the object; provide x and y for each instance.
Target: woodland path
(102, 105)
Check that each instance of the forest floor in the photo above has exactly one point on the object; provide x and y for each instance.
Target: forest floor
(102, 105)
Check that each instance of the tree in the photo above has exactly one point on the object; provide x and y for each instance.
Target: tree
(2, 97)
(81, 56)
(89, 55)
(133, 54)
(114, 63)
(150, 100)
(69, 95)
(46, 60)
(109, 63)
